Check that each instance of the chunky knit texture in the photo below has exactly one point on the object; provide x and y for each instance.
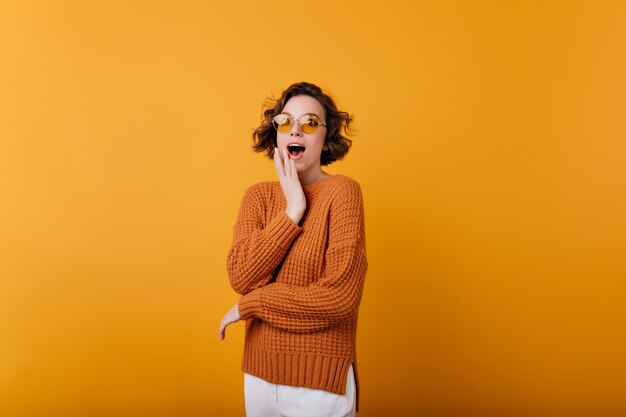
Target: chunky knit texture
(301, 284)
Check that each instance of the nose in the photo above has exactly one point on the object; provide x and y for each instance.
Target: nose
(295, 129)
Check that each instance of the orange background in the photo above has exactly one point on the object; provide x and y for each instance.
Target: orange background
(491, 153)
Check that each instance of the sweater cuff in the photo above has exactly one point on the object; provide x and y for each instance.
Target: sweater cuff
(283, 230)
(250, 304)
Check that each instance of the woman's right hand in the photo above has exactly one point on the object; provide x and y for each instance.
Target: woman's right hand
(290, 183)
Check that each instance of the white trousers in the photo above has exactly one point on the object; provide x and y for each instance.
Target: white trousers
(264, 399)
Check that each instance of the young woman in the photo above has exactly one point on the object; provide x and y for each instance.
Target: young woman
(298, 259)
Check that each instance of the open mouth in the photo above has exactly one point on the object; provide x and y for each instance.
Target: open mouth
(295, 149)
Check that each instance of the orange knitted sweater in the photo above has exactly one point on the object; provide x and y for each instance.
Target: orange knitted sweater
(301, 284)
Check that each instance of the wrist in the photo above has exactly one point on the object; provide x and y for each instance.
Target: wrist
(294, 214)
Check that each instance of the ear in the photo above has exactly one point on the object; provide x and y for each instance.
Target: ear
(325, 147)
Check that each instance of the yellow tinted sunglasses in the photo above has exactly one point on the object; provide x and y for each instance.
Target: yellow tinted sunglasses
(308, 123)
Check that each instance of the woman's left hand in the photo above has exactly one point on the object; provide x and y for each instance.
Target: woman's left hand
(231, 317)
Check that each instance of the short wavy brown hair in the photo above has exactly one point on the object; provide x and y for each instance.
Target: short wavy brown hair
(264, 137)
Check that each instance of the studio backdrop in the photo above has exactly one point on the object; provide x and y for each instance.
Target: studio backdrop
(491, 154)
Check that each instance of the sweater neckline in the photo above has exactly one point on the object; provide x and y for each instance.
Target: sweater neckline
(314, 189)
(317, 183)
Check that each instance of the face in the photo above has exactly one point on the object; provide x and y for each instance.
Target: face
(313, 143)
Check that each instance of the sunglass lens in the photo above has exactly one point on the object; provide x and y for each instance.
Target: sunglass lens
(309, 123)
(282, 123)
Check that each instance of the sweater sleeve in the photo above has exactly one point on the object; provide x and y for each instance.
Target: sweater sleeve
(337, 294)
(257, 249)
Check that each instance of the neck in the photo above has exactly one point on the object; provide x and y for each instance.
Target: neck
(311, 177)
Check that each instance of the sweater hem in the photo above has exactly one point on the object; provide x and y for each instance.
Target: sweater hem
(328, 373)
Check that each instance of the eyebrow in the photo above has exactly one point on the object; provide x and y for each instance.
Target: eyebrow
(305, 114)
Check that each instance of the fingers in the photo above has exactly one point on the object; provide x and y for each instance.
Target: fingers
(294, 173)
(231, 317)
(222, 330)
(223, 324)
(278, 162)
(287, 164)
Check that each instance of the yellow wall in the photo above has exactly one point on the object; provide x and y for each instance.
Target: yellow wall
(491, 153)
